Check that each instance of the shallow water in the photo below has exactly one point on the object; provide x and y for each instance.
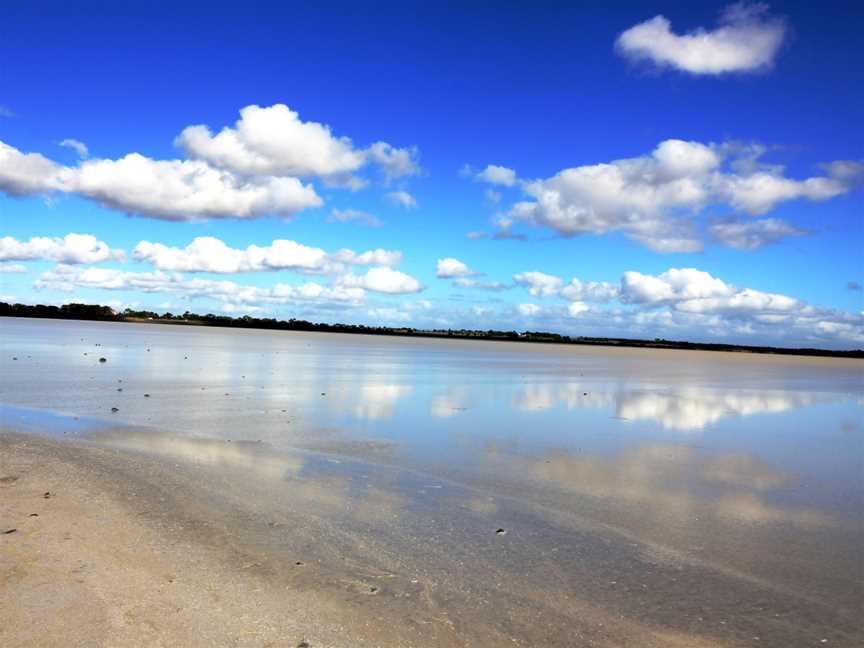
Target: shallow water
(705, 494)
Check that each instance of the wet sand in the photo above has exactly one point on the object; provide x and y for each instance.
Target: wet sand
(136, 550)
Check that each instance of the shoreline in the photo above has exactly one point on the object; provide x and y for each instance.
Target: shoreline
(481, 336)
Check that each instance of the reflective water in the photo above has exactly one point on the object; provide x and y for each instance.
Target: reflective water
(666, 487)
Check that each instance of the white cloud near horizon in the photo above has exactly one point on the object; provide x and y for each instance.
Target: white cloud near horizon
(67, 278)
(382, 280)
(688, 297)
(747, 39)
(210, 254)
(72, 248)
(655, 199)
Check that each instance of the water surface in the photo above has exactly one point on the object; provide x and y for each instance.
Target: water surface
(704, 494)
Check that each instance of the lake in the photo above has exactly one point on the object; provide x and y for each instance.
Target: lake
(698, 494)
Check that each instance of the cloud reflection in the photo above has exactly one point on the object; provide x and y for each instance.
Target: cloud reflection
(663, 480)
(682, 409)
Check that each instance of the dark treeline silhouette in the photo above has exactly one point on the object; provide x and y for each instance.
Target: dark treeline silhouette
(105, 313)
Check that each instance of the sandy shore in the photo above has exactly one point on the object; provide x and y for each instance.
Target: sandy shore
(107, 545)
(114, 549)
(92, 554)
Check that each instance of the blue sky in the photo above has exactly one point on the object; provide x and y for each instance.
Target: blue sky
(657, 170)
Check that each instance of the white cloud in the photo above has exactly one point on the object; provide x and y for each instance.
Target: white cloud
(72, 248)
(402, 199)
(476, 236)
(594, 291)
(497, 175)
(79, 147)
(354, 216)
(747, 39)
(754, 234)
(273, 140)
(166, 189)
(209, 254)
(673, 286)
(184, 189)
(12, 268)
(528, 310)
(248, 171)
(6, 112)
(654, 199)
(449, 267)
(68, 278)
(395, 162)
(539, 284)
(383, 280)
(22, 174)
(576, 308)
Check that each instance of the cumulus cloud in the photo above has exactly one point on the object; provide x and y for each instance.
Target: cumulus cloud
(72, 248)
(354, 216)
(273, 140)
(23, 174)
(687, 303)
(539, 284)
(184, 189)
(165, 189)
(754, 234)
(655, 199)
(528, 310)
(12, 268)
(594, 291)
(251, 170)
(68, 278)
(395, 162)
(493, 174)
(209, 254)
(746, 39)
(576, 308)
(79, 147)
(383, 280)
(402, 199)
(449, 268)
(673, 286)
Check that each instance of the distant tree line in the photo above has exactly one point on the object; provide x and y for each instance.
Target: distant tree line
(106, 313)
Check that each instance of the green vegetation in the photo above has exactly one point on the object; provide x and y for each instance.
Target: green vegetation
(105, 313)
